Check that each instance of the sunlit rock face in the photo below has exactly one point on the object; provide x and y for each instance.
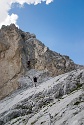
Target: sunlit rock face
(10, 59)
(56, 101)
(17, 48)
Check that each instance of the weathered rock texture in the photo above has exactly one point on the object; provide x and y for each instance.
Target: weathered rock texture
(10, 59)
(42, 58)
(58, 101)
(17, 48)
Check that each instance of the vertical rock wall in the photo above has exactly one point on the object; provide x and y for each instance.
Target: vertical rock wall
(10, 59)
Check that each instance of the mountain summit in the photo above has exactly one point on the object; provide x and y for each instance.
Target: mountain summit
(21, 51)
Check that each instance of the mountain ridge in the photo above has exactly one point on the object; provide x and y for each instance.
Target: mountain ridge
(17, 49)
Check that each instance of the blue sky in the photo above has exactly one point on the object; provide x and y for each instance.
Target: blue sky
(59, 25)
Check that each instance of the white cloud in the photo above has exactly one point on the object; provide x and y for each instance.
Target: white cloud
(31, 1)
(10, 19)
(5, 6)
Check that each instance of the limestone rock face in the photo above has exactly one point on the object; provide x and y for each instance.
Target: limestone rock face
(10, 59)
(57, 101)
(17, 48)
(42, 58)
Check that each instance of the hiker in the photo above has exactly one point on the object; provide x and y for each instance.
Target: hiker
(35, 80)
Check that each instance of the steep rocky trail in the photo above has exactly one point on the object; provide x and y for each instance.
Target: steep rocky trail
(61, 96)
(65, 111)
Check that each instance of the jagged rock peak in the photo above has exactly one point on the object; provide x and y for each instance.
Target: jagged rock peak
(11, 26)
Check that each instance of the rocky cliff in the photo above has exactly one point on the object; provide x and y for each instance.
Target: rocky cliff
(10, 59)
(21, 51)
(42, 58)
